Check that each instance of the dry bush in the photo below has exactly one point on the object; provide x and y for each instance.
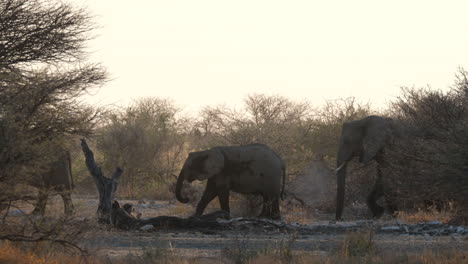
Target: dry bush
(147, 139)
(427, 159)
(280, 123)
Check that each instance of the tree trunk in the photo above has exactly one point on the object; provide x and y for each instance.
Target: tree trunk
(106, 187)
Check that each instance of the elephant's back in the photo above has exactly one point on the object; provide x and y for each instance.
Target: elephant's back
(259, 170)
(259, 152)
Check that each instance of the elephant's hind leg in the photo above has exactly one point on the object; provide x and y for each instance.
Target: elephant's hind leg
(208, 195)
(375, 194)
(67, 202)
(275, 210)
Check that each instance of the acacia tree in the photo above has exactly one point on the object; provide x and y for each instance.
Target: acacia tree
(43, 73)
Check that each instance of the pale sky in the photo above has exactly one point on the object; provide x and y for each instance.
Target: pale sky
(199, 52)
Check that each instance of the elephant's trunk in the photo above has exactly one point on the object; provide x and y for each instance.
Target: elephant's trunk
(180, 184)
(345, 154)
(340, 190)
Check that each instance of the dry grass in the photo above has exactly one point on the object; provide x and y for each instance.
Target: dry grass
(443, 216)
(358, 244)
(297, 214)
(359, 247)
(180, 210)
(426, 258)
(14, 255)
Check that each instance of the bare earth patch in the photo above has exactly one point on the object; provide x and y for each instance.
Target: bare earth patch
(326, 238)
(314, 234)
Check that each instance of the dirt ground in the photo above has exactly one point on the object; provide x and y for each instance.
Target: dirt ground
(111, 242)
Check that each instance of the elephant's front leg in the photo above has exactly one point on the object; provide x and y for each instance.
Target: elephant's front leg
(208, 195)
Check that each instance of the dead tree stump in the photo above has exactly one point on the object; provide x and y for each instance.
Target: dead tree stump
(106, 187)
(110, 212)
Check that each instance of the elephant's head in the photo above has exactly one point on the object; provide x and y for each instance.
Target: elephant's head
(364, 138)
(199, 166)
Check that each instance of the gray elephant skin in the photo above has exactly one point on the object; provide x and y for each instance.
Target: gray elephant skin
(365, 138)
(247, 169)
(57, 179)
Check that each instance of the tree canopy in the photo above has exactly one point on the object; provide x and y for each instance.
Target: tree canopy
(43, 73)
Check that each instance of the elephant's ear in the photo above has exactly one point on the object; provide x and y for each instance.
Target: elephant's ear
(214, 164)
(376, 134)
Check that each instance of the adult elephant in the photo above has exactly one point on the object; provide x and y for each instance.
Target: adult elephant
(365, 138)
(247, 169)
(57, 179)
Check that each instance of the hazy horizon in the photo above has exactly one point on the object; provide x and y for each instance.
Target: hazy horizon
(200, 53)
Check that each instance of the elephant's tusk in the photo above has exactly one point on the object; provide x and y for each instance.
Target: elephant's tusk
(340, 167)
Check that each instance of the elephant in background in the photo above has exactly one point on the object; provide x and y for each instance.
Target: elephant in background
(56, 179)
(247, 169)
(365, 138)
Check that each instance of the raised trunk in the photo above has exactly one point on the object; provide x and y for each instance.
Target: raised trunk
(180, 184)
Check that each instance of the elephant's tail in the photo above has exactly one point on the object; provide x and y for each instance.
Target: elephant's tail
(284, 183)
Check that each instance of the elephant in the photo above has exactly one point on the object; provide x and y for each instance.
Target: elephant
(246, 169)
(365, 138)
(57, 178)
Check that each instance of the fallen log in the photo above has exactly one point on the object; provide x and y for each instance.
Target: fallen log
(122, 219)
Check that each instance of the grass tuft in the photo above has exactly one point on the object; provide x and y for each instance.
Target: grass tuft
(358, 244)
